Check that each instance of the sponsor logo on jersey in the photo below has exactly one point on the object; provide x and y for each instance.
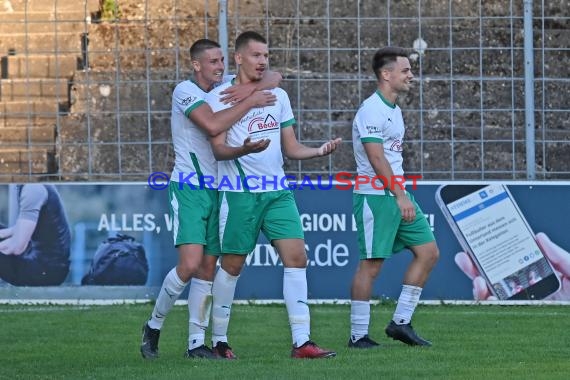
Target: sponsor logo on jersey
(188, 100)
(259, 124)
(396, 146)
(373, 129)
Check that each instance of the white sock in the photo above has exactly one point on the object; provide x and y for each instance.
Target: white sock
(295, 296)
(407, 303)
(172, 286)
(359, 319)
(199, 307)
(223, 291)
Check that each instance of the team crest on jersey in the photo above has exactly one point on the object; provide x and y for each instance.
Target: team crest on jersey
(188, 100)
(260, 124)
(396, 146)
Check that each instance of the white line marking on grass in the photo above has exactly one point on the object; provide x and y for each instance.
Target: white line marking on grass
(27, 309)
(76, 302)
(103, 302)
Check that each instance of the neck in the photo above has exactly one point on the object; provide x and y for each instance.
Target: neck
(242, 79)
(205, 85)
(390, 96)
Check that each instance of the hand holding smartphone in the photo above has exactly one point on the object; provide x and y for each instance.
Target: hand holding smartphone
(501, 247)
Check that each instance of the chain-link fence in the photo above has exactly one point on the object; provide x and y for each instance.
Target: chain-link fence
(86, 86)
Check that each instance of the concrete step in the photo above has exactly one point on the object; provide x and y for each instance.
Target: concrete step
(49, 5)
(29, 110)
(39, 66)
(31, 121)
(43, 26)
(37, 43)
(12, 137)
(76, 15)
(26, 88)
(24, 161)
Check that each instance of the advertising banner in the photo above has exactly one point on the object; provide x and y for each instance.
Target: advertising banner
(85, 229)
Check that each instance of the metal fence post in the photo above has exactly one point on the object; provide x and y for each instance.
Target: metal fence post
(223, 29)
(529, 90)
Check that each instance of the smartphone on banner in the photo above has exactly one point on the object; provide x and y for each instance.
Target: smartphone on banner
(494, 233)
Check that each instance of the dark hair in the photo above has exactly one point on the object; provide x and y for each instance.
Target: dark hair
(200, 46)
(244, 38)
(387, 55)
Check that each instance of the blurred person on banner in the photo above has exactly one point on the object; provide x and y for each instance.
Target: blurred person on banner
(35, 250)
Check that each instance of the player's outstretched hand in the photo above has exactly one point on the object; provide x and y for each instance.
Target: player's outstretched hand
(255, 146)
(329, 147)
(558, 257)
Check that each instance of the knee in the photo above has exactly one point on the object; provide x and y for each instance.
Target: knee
(297, 260)
(207, 269)
(369, 269)
(232, 267)
(186, 269)
(426, 256)
(433, 256)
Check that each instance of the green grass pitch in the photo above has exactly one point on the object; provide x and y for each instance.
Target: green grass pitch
(470, 342)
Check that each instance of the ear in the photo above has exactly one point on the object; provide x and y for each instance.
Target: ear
(196, 65)
(385, 74)
(237, 58)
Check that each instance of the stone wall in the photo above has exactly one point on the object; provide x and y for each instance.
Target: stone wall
(136, 61)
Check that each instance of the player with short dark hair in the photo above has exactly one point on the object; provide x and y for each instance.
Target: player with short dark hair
(256, 207)
(387, 220)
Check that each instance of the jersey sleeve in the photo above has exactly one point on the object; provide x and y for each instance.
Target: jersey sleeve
(32, 199)
(187, 100)
(286, 118)
(370, 126)
(213, 99)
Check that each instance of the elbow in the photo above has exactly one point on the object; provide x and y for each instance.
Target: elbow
(291, 153)
(292, 157)
(213, 131)
(20, 250)
(218, 154)
(212, 128)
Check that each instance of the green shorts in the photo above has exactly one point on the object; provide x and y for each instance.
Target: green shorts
(243, 215)
(381, 230)
(194, 214)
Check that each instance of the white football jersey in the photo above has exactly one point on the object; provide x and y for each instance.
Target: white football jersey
(378, 120)
(259, 170)
(193, 153)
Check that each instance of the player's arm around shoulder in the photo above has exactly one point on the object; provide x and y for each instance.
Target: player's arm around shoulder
(215, 117)
(239, 92)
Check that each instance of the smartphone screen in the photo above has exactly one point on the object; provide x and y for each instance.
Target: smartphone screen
(493, 231)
